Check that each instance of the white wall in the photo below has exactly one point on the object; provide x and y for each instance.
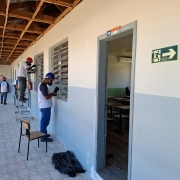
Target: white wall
(158, 26)
(5, 70)
(119, 73)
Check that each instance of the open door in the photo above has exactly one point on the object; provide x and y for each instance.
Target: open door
(103, 42)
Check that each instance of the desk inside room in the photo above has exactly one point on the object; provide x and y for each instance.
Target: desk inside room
(123, 113)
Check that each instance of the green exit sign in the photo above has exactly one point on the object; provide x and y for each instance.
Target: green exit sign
(165, 54)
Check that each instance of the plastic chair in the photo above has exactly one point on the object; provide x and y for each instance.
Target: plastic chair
(30, 135)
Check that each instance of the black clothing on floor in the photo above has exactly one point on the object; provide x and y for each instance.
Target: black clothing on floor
(66, 163)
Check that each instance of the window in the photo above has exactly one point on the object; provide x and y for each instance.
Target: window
(15, 75)
(59, 64)
(39, 76)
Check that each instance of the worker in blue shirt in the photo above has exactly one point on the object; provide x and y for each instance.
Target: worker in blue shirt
(4, 87)
(45, 103)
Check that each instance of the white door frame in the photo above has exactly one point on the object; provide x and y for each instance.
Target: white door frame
(101, 94)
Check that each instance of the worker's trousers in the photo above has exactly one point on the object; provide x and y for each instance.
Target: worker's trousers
(45, 119)
(22, 86)
(3, 96)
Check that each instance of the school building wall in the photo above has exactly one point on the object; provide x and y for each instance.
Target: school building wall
(155, 145)
(5, 70)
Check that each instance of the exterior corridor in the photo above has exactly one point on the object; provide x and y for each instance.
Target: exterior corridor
(13, 165)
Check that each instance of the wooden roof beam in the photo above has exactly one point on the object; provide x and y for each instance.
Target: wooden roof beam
(60, 7)
(29, 37)
(5, 22)
(20, 27)
(8, 47)
(27, 26)
(3, 6)
(76, 2)
(58, 2)
(17, 27)
(38, 30)
(22, 5)
(25, 43)
(11, 35)
(35, 26)
(44, 18)
(57, 19)
(1, 21)
(20, 14)
(12, 41)
(28, 16)
(6, 50)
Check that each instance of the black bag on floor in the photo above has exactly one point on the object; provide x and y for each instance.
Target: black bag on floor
(66, 163)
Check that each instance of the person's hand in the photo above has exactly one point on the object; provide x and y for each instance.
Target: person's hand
(56, 89)
(54, 94)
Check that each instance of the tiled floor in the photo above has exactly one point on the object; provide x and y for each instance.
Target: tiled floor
(13, 165)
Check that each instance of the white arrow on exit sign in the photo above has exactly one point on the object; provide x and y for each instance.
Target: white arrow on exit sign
(171, 53)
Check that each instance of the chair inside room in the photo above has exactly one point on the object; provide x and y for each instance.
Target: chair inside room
(30, 135)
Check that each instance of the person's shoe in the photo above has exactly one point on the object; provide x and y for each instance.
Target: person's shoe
(22, 100)
(5, 103)
(25, 99)
(48, 140)
(48, 135)
(1, 102)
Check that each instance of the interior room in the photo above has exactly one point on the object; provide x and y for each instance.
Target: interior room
(118, 101)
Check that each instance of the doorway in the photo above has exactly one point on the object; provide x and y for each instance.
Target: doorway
(103, 51)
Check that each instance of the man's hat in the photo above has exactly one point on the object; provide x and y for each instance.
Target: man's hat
(29, 59)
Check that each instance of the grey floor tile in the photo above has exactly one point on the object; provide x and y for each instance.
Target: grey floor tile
(78, 177)
(43, 176)
(56, 175)
(85, 176)
(13, 165)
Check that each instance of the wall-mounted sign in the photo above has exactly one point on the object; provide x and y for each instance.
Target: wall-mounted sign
(165, 54)
(113, 31)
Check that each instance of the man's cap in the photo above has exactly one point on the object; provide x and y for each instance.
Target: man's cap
(29, 59)
(3, 78)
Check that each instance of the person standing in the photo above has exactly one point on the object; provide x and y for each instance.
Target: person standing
(15, 84)
(4, 90)
(45, 104)
(22, 75)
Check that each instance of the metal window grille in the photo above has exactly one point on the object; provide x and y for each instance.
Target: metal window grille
(39, 61)
(59, 64)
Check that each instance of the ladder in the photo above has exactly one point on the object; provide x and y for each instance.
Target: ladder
(23, 108)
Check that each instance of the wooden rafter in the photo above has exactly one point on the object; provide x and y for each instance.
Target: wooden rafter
(57, 19)
(21, 5)
(7, 9)
(27, 26)
(22, 23)
(58, 2)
